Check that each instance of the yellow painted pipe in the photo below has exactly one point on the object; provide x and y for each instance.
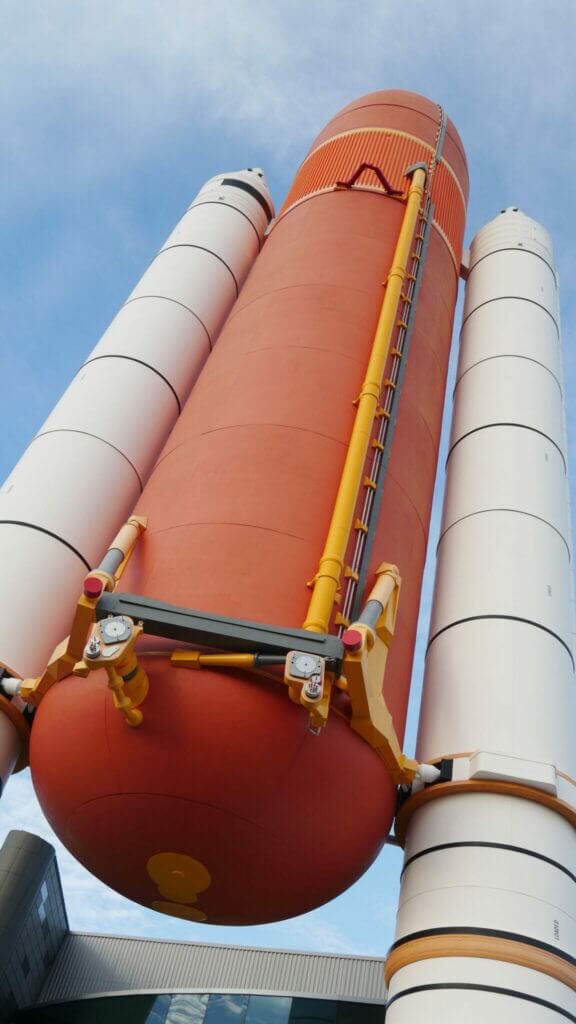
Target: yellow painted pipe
(126, 540)
(326, 583)
(197, 659)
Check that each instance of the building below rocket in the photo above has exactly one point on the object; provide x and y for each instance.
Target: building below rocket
(220, 734)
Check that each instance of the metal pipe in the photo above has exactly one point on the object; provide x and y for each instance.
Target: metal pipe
(111, 568)
(327, 580)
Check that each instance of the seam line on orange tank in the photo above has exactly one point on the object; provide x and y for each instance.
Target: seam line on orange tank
(515, 511)
(274, 291)
(237, 426)
(405, 494)
(228, 522)
(449, 245)
(304, 348)
(279, 426)
(439, 365)
(424, 422)
(169, 796)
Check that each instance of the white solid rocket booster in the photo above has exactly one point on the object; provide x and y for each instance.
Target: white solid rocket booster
(82, 474)
(486, 926)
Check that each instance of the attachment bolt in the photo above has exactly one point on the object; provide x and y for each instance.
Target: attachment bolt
(93, 648)
(313, 688)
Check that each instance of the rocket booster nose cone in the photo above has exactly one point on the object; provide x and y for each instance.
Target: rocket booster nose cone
(250, 179)
(255, 178)
(512, 229)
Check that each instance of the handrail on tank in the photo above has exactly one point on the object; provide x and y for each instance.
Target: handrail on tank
(326, 582)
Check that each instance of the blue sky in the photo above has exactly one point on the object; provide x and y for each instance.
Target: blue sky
(114, 113)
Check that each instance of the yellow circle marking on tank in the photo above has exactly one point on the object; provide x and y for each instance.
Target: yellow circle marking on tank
(179, 877)
(179, 910)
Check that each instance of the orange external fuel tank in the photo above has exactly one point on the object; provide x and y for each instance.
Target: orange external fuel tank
(222, 806)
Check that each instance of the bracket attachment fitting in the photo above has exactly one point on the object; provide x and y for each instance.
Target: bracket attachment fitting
(366, 643)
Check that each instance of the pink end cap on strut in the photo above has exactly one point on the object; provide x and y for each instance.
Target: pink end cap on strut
(93, 586)
(352, 640)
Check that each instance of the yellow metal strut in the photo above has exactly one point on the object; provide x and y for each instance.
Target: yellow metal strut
(326, 582)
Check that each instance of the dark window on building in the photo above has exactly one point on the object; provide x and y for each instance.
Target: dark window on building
(159, 1012)
(360, 1013)
(192, 1008)
(268, 1010)
(25, 965)
(110, 1010)
(226, 1009)
(188, 1008)
(313, 1011)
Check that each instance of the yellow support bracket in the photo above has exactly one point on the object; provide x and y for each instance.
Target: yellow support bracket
(367, 643)
(65, 655)
(70, 650)
(126, 678)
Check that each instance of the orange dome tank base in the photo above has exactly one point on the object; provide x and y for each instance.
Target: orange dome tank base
(222, 806)
(277, 843)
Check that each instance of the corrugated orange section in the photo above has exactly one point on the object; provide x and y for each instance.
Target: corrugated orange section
(392, 152)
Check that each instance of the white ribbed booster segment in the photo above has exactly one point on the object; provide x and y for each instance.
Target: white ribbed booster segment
(491, 871)
(83, 472)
